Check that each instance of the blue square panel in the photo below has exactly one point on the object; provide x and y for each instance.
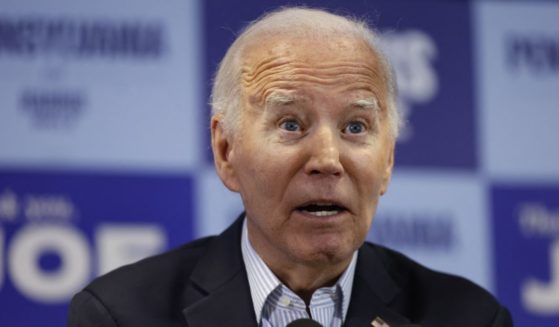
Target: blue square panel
(526, 236)
(59, 230)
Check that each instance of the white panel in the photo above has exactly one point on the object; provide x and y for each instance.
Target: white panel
(440, 220)
(126, 110)
(121, 244)
(218, 207)
(518, 72)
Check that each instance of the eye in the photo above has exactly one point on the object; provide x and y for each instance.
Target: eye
(290, 125)
(355, 127)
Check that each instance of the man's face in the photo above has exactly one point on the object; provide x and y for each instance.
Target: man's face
(313, 152)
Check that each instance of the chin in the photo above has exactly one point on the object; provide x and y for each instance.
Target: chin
(327, 252)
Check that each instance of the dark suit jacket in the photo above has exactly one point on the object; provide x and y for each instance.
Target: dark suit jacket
(204, 283)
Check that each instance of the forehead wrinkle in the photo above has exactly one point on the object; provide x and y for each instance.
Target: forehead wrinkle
(270, 64)
(260, 93)
(252, 73)
(288, 75)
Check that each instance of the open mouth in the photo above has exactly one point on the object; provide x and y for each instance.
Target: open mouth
(322, 209)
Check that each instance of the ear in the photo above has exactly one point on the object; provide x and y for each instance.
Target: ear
(388, 171)
(222, 148)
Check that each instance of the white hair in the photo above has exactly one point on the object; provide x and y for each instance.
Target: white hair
(294, 21)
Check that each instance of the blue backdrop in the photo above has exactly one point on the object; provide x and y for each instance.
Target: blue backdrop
(104, 141)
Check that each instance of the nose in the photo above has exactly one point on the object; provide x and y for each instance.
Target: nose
(324, 150)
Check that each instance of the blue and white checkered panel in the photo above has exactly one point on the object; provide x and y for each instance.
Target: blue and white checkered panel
(518, 84)
(101, 137)
(104, 148)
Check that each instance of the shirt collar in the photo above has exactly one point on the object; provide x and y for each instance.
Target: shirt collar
(262, 280)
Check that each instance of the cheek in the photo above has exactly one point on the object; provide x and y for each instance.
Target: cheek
(370, 171)
(261, 171)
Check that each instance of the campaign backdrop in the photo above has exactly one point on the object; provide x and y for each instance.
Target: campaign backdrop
(105, 157)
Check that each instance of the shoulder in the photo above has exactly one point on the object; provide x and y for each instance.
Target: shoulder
(154, 285)
(407, 272)
(436, 298)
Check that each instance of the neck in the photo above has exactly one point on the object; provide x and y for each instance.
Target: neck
(302, 277)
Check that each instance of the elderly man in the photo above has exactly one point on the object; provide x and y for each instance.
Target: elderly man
(304, 125)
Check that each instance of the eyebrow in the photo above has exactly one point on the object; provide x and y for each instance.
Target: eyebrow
(277, 98)
(367, 103)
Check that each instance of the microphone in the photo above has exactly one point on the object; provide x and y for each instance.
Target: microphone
(305, 322)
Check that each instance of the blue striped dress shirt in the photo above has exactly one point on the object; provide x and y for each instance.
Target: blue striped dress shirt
(276, 305)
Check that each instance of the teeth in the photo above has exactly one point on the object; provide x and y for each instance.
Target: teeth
(323, 213)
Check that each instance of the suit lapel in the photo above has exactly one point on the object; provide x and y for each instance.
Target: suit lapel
(221, 293)
(373, 291)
